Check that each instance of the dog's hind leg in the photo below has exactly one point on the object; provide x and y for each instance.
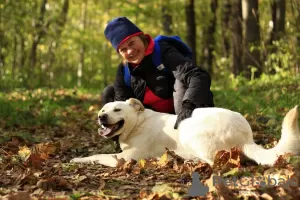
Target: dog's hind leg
(199, 141)
(204, 156)
(198, 148)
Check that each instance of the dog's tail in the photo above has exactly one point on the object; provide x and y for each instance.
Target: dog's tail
(289, 142)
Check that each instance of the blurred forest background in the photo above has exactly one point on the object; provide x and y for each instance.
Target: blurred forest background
(60, 43)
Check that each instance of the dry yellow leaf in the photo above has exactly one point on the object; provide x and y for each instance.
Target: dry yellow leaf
(24, 153)
(45, 148)
(142, 163)
(163, 159)
(91, 108)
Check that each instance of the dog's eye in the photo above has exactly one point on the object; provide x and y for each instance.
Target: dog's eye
(117, 110)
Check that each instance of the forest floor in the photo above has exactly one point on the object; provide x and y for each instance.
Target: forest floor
(42, 130)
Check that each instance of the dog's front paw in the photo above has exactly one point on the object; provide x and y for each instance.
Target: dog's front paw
(77, 160)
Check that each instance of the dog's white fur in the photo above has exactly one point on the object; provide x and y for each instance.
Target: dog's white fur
(147, 133)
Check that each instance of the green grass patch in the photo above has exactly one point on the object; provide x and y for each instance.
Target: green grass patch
(269, 95)
(40, 106)
(25, 136)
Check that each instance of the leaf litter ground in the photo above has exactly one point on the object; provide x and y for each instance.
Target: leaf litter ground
(34, 164)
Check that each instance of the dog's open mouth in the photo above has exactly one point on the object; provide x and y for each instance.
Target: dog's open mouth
(107, 130)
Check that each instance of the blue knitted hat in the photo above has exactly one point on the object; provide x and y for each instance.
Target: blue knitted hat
(118, 29)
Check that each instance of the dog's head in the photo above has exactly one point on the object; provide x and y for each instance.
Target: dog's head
(119, 117)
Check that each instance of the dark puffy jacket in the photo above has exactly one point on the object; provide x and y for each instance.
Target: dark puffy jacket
(192, 83)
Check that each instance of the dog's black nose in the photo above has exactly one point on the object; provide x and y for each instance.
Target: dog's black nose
(103, 117)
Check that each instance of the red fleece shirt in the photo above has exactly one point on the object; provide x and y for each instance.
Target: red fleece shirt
(155, 102)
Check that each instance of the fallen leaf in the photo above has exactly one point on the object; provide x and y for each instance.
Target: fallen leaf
(178, 159)
(54, 183)
(101, 184)
(162, 188)
(35, 161)
(226, 160)
(20, 196)
(15, 141)
(204, 169)
(45, 148)
(121, 162)
(136, 170)
(163, 159)
(91, 108)
(128, 166)
(221, 159)
(142, 163)
(79, 178)
(232, 172)
(294, 160)
(223, 191)
(266, 196)
(24, 153)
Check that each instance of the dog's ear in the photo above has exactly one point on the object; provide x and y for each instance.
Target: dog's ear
(136, 104)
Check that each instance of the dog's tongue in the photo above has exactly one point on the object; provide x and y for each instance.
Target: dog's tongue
(107, 130)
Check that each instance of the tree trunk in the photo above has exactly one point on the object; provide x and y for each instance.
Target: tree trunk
(166, 17)
(40, 29)
(209, 44)
(55, 44)
(2, 55)
(107, 49)
(191, 27)
(225, 24)
(252, 58)
(14, 64)
(22, 57)
(107, 63)
(278, 18)
(82, 48)
(295, 8)
(2, 46)
(236, 37)
(22, 52)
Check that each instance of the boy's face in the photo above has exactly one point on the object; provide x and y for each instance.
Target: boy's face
(133, 50)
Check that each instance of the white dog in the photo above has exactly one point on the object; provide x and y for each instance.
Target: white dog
(145, 133)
